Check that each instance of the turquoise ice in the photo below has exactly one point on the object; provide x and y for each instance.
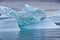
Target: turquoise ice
(44, 24)
(30, 15)
(37, 13)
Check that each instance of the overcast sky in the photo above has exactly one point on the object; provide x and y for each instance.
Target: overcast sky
(29, 0)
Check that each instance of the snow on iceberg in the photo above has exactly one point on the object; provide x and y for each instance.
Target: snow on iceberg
(7, 21)
(55, 16)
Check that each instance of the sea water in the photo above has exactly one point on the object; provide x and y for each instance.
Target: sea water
(37, 34)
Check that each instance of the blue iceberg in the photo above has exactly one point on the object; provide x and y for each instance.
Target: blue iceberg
(44, 24)
(34, 18)
(37, 13)
(30, 15)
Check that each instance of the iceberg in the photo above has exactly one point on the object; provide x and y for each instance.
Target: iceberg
(7, 21)
(34, 18)
(8, 24)
(37, 13)
(44, 24)
(30, 15)
(55, 16)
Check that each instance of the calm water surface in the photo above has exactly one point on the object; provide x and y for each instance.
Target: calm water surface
(38, 34)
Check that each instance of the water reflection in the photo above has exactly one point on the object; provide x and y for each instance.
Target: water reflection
(39, 34)
(23, 35)
(32, 35)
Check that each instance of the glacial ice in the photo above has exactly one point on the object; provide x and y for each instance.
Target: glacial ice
(55, 16)
(44, 24)
(34, 18)
(35, 12)
(7, 21)
(30, 15)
